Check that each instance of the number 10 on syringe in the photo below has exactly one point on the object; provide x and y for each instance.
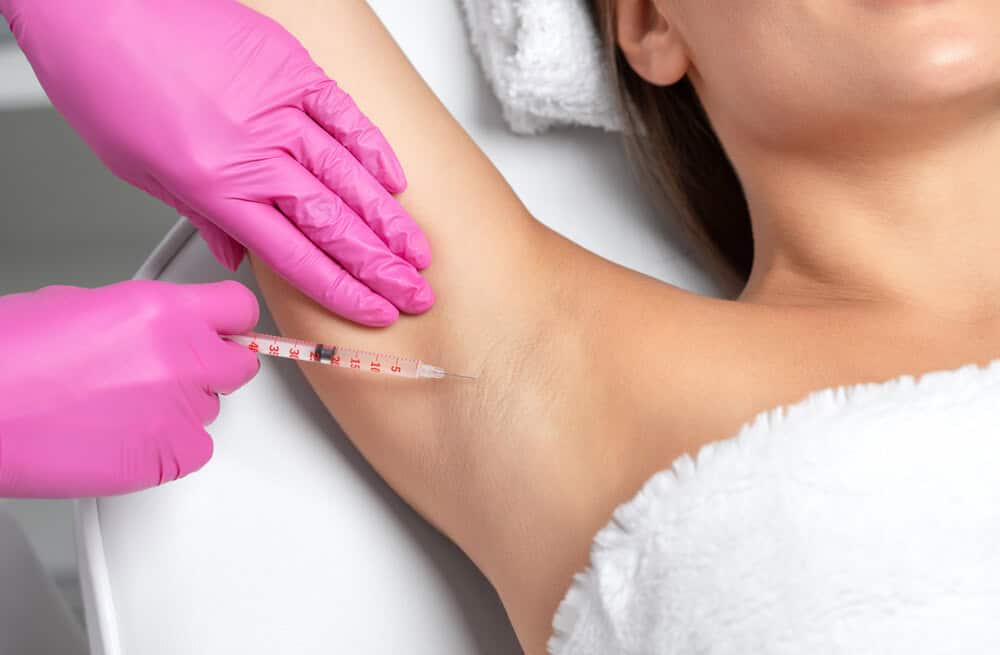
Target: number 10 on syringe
(339, 356)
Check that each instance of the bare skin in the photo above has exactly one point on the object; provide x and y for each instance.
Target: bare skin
(521, 476)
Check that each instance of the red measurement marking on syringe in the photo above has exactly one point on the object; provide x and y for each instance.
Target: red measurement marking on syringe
(254, 347)
(335, 360)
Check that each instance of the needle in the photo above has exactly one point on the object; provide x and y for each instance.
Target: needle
(456, 375)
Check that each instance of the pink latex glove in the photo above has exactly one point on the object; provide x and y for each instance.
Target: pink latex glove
(106, 391)
(218, 111)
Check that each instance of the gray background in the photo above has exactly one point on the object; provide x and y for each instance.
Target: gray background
(66, 219)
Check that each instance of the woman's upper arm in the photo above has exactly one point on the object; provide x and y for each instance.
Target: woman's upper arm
(483, 241)
(473, 457)
(497, 287)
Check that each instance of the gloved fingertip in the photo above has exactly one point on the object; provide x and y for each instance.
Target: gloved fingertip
(377, 312)
(196, 454)
(385, 317)
(422, 259)
(419, 251)
(392, 178)
(422, 300)
(188, 453)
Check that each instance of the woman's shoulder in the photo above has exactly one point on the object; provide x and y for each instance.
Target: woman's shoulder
(682, 370)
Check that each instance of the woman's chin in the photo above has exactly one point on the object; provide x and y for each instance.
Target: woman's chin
(948, 71)
(921, 51)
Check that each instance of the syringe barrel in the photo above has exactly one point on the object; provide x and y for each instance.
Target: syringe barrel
(372, 362)
(338, 356)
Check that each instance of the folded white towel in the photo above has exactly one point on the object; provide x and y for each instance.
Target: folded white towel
(863, 519)
(544, 60)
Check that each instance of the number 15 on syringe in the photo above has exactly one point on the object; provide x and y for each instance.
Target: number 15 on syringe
(341, 357)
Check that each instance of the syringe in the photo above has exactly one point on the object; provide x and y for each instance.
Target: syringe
(349, 358)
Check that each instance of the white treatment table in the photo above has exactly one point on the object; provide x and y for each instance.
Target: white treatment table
(287, 541)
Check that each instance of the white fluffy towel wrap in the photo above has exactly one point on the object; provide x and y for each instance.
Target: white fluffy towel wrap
(862, 519)
(544, 61)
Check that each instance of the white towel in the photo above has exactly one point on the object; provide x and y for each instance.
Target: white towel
(544, 61)
(863, 519)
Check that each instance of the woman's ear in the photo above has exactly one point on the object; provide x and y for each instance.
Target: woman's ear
(650, 42)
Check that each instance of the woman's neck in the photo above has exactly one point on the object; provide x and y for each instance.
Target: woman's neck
(914, 228)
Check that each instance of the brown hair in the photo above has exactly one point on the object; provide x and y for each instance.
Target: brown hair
(679, 158)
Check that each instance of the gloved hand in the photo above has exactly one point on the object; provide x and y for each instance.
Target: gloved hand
(222, 114)
(106, 391)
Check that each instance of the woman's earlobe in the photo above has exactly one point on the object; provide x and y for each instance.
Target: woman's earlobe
(650, 43)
